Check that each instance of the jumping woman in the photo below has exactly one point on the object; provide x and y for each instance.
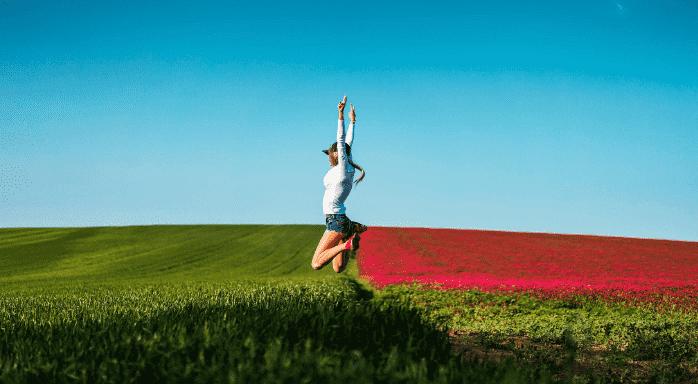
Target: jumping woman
(341, 234)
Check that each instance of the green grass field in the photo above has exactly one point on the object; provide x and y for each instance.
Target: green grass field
(206, 303)
(158, 253)
(240, 303)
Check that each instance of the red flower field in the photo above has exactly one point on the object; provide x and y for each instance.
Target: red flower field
(552, 265)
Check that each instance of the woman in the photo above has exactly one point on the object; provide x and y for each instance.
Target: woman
(338, 184)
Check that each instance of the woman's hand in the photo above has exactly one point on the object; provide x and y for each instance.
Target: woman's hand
(340, 107)
(352, 113)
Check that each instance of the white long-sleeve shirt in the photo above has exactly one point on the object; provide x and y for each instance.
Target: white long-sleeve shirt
(338, 179)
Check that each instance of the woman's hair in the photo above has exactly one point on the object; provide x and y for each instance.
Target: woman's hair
(363, 172)
(353, 164)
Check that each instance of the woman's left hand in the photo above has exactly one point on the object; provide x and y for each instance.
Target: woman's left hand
(352, 113)
(340, 106)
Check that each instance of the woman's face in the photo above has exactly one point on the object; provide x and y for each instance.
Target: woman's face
(332, 157)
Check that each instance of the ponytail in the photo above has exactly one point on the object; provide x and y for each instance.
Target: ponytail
(363, 172)
(353, 164)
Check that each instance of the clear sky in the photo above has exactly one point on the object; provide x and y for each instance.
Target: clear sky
(555, 116)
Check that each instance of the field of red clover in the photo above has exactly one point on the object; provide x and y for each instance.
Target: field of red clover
(649, 271)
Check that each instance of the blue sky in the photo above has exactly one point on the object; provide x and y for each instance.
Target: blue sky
(547, 117)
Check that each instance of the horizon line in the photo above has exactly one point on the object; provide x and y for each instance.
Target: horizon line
(370, 226)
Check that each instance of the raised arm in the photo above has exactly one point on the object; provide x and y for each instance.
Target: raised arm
(342, 160)
(352, 121)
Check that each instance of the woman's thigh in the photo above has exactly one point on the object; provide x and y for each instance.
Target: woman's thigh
(329, 239)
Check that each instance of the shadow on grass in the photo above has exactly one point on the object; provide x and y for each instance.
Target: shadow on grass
(292, 334)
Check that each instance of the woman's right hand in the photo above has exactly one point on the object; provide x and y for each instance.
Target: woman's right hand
(340, 106)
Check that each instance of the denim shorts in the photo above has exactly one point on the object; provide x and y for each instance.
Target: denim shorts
(338, 222)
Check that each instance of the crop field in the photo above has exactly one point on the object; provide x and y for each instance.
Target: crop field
(549, 265)
(604, 308)
(207, 303)
(240, 304)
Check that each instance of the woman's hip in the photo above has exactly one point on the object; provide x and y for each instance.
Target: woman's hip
(338, 222)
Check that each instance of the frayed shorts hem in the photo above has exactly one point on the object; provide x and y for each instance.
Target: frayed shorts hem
(338, 222)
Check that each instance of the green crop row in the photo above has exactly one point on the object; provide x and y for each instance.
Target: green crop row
(587, 339)
(240, 332)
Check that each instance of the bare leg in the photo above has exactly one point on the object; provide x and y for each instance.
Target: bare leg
(330, 245)
(340, 261)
